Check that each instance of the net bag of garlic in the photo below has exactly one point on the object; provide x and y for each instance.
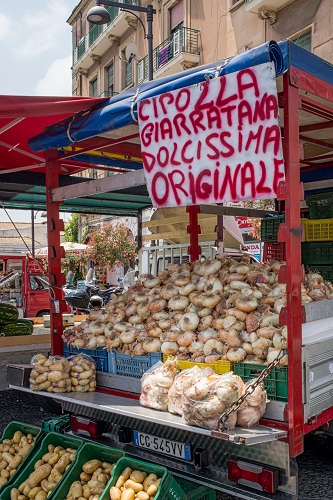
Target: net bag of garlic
(50, 374)
(83, 373)
(209, 396)
(253, 407)
(183, 380)
(155, 384)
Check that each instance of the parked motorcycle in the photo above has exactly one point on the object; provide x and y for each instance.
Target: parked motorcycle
(82, 300)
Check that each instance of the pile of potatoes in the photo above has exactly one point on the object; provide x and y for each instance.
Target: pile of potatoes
(48, 471)
(51, 375)
(12, 453)
(135, 484)
(83, 373)
(93, 479)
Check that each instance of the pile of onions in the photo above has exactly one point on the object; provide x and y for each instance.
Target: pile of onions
(219, 309)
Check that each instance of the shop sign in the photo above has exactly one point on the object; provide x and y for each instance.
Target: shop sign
(214, 142)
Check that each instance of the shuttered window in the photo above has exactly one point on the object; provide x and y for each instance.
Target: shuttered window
(93, 88)
(177, 16)
(304, 40)
(128, 73)
(110, 76)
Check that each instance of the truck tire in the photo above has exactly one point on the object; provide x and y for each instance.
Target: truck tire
(40, 314)
(50, 405)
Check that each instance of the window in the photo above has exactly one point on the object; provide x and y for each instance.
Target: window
(128, 74)
(93, 88)
(110, 79)
(177, 16)
(303, 39)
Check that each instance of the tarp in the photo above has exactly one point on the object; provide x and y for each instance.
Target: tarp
(21, 117)
(121, 110)
(68, 246)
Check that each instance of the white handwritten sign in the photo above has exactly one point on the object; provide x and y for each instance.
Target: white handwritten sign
(214, 142)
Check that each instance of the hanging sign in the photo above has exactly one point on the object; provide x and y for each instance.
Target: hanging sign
(214, 142)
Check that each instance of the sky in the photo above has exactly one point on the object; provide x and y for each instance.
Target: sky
(36, 54)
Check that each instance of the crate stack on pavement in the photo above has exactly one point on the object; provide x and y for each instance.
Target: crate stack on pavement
(273, 250)
(317, 250)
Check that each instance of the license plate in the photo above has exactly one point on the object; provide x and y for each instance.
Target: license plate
(162, 445)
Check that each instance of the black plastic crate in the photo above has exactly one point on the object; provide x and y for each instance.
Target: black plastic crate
(270, 227)
(320, 206)
(325, 271)
(317, 252)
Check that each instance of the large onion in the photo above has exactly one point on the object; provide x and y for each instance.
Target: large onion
(189, 322)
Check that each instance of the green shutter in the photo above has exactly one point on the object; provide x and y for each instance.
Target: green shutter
(304, 40)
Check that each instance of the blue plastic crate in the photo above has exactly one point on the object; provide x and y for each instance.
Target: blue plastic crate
(136, 366)
(99, 355)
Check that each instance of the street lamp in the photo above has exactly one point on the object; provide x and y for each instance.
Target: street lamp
(99, 15)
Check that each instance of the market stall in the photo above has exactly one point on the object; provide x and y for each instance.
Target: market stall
(260, 458)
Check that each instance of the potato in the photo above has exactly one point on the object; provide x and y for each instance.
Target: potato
(4, 473)
(53, 458)
(15, 462)
(41, 378)
(41, 495)
(86, 491)
(55, 475)
(14, 494)
(3, 481)
(26, 490)
(85, 374)
(137, 476)
(142, 495)
(51, 447)
(152, 490)
(17, 437)
(133, 485)
(57, 367)
(3, 464)
(91, 466)
(45, 385)
(127, 494)
(38, 475)
(38, 464)
(47, 485)
(123, 477)
(33, 492)
(84, 476)
(149, 480)
(115, 493)
(63, 462)
(55, 376)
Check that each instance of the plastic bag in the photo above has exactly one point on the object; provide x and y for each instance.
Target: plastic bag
(83, 373)
(50, 374)
(253, 407)
(209, 397)
(155, 384)
(182, 381)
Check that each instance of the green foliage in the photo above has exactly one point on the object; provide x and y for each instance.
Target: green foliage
(111, 245)
(85, 233)
(72, 229)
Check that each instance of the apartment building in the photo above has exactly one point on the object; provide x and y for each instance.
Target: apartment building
(186, 33)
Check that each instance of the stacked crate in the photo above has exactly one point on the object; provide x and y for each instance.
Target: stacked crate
(269, 233)
(317, 250)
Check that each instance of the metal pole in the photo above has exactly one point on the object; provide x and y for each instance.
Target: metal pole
(150, 13)
(33, 233)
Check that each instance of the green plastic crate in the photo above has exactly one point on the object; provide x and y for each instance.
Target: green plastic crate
(168, 487)
(56, 424)
(276, 384)
(195, 491)
(9, 432)
(51, 438)
(270, 227)
(320, 206)
(325, 271)
(89, 451)
(317, 252)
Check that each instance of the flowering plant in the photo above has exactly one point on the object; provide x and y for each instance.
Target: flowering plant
(111, 245)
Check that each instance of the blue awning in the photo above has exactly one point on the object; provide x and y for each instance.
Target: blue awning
(121, 110)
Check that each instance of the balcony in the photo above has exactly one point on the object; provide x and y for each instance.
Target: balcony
(100, 37)
(274, 5)
(178, 52)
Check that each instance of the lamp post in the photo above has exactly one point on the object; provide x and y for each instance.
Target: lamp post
(99, 15)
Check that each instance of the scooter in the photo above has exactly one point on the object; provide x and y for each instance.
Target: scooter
(91, 296)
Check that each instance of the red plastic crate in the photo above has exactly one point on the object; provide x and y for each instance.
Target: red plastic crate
(274, 251)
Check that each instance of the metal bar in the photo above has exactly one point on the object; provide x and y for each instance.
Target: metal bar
(54, 257)
(327, 183)
(193, 229)
(33, 233)
(126, 6)
(327, 145)
(307, 103)
(21, 151)
(292, 239)
(315, 126)
(114, 183)
(222, 210)
(319, 420)
(11, 124)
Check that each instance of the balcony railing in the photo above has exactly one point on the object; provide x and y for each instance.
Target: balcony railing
(183, 40)
(108, 93)
(96, 31)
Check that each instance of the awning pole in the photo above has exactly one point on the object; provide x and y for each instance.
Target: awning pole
(55, 252)
(193, 229)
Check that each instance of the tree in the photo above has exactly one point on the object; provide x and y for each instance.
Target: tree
(111, 245)
(72, 229)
